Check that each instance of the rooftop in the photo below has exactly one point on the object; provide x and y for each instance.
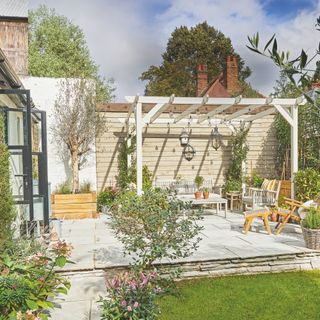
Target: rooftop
(14, 8)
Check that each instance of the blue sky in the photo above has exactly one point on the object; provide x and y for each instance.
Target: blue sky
(126, 36)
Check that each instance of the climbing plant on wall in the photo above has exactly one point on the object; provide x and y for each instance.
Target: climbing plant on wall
(239, 151)
(7, 212)
(126, 174)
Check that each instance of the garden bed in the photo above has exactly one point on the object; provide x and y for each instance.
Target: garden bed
(74, 206)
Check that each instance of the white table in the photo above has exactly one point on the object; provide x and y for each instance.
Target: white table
(214, 199)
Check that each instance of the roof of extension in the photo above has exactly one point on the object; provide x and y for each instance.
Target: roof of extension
(14, 8)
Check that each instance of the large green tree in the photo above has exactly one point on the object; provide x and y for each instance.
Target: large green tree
(186, 48)
(57, 48)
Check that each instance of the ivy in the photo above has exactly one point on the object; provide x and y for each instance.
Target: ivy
(7, 212)
(128, 174)
(240, 150)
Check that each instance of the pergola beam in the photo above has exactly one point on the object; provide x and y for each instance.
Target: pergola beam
(242, 111)
(156, 111)
(262, 114)
(191, 109)
(285, 113)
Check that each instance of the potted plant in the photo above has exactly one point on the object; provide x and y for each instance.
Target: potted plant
(311, 228)
(205, 193)
(198, 180)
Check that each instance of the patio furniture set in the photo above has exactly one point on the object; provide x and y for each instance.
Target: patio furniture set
(256, 202)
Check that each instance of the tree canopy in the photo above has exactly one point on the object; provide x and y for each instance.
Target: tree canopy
(57, 48)
(186, 48)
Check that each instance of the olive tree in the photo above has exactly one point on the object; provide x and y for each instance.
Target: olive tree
(76, 122)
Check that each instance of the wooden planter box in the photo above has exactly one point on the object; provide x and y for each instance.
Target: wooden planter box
(74, 206)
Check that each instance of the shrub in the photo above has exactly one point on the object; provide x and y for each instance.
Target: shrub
(198, 180)
(232, 185)
(151, 226)
(256, 180)
(64, 188)
(131, 296)
(106, 197)
(307, 184)
(7, 210)
(26, 284)
(85, 187)
(312, 219)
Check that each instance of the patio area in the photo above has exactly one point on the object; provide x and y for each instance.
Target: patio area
(224, 250)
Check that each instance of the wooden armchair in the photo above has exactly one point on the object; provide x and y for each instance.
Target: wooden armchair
(287, 214)
(267, 195)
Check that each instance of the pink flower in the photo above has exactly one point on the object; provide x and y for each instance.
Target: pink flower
(136, 305)
(129, 308)
(115, 282)
(158, 290)
(124, 303)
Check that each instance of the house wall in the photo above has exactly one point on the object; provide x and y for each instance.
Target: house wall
(14, 43)
(162, 152)
(45, 91)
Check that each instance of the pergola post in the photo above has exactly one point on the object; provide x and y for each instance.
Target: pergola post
(138, 118)
(294, 147)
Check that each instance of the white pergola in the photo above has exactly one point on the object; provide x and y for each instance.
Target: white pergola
(217, 107)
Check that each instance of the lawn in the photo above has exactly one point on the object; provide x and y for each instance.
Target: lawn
(284, 296)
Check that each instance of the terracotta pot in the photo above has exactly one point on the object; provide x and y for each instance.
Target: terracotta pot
(197, 195)
(274, 217)
(205, 194)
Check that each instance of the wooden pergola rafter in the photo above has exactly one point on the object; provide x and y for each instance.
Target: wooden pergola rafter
(205, 108)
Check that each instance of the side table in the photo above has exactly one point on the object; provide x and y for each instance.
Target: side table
(234, 198)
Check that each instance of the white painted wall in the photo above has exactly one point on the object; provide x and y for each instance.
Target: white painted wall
(44, 92)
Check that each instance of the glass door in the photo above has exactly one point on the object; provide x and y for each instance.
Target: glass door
(26, 140)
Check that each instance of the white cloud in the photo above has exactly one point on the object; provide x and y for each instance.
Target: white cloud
(125, 37)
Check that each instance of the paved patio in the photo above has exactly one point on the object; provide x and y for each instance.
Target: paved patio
(96, 249)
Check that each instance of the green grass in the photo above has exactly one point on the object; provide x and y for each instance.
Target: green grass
(284, 296)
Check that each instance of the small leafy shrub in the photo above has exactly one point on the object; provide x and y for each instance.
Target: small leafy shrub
(307, 184)
(151, 227)
(106, 197)
(64, 188)
(312, 219)
(198, 180)
(256, 180)
(232, 185)
(85, 187)
(131, 296)
(26, 284)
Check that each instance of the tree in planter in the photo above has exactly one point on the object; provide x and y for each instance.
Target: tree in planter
(7, 211)
(76, 122)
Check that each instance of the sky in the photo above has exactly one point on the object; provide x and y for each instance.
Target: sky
(125, 37)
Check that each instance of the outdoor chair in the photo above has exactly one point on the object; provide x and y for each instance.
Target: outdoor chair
(267, 195)
(287, 214)
(251, 215)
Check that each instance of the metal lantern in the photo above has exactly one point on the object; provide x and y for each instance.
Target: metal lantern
(216, 138)
(188, 152)
(184, 138)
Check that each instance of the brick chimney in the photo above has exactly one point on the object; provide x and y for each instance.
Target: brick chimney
(232, 75)
(202, 78)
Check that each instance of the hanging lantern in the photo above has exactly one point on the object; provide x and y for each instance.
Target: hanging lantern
(216, 138)
(188, 152)
(184, 138)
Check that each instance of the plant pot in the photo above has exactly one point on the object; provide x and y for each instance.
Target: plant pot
(274, 216)
(311, 238)
(205, 195)
(197, 195)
